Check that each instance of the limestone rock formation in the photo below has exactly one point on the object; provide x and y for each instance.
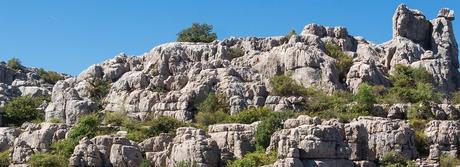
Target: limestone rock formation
(36, 138)
(106, 151)
(233, 140)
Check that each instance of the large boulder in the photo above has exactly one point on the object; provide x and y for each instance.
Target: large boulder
(443, 138)
(106, 151)
(7, 137)
(371, 137)
(234, 140)
(194, 146)
(36, 138)
(157, 149)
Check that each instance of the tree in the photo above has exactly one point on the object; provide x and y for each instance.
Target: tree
(197, 33)
(14, 63)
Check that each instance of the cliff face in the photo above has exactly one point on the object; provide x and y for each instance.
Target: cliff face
(172, 78)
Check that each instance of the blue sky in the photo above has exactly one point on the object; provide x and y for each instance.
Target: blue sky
(68, 36)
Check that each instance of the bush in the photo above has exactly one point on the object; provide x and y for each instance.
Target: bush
(99, 90)
(163, 124)
(185, 164)
(449, 161)
(87, 126)
(411, 85)
(204, 119)
(258, 158)
(115, 118)
(364, 100)
(235, 52)
(47, 160)
(213, 102)
(5, 158)
(197, 33)
(14, 63)
(288, 36)
(421, 141)
(145, 163)
(343, 61)
(284, 85)
(23, 109)
(395, 159)
(269, 125)
(249, 115)
(455, 99)
(50, 77)
(56, 120)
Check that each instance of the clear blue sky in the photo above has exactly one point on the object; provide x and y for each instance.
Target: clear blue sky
(68, 36)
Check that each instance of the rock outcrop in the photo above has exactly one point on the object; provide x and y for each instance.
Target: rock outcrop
(106, 151)
(36, 138)
(233, 140)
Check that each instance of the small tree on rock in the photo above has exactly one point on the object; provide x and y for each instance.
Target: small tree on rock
(197, 33)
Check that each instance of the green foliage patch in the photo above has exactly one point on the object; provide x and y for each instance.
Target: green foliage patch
(197, 33)
(23, 109)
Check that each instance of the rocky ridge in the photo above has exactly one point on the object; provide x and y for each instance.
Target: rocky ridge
(171, 78)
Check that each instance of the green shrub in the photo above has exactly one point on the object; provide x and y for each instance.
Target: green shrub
(284, 85)
(421, 141)
(288, 36)
(455, 99)
(213, 102)
(99, 90)
(364, 100)
(116, 118)
(258, 158)
(269, 125)
(145, 163)
(411, 85)
(5, 158)
(197, 33)
(14, 63)
(23, 109)
(56, 120)
(395, 159)
(185, 164)
(449, 161)
(343, 61)
(87, 126)
(163, 124)
(50, 77)
(235, 52)
(205, 119)
(249, 115)
(47, 160)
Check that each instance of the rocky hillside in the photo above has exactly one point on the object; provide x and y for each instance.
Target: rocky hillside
(113, 113)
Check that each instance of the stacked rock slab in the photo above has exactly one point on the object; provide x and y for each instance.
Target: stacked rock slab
(106, 151)
(234, 140)
(36, 138)
(307, 141)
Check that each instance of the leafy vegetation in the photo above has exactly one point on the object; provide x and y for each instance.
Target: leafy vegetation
(87, 126)
(395, 159)
(5, 158)
(235, 52)
(284, 85)
(138, 131)
(288, 36)
(269, 125)
(249, 115)
(258, 158)
(455, 99)
(14, 63)
(99, 90)
(50, 77)
(449, 161)
(47, 160)
(343, 61)
(411, 85)
(197, 33)
(23, 109)
(185, 164)
(116, 118)
(213, 109)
